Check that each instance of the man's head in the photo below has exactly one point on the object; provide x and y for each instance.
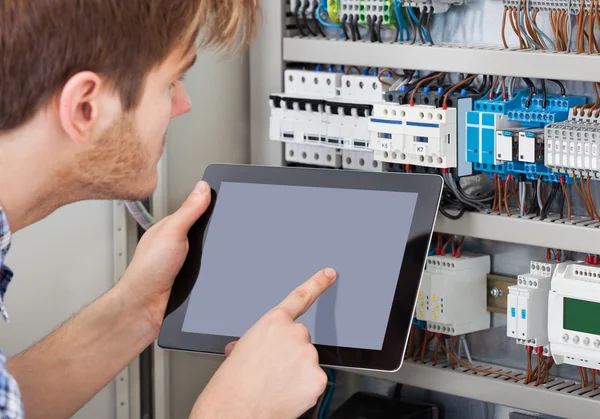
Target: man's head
(102, 79)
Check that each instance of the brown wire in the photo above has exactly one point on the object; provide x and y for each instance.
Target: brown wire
(550, 364)
(513, 20)
(582, 197)
(514, 193)
(456, 86)
(460, 245)
(585, 376)
(504, 27)
(591, 199)
(567, 199)
(528, 26)
(506, 197)
(593, 380)
(425, 80)
(426, 341)
(453, 241)
(581, 377)
(539, 372)
(453, 350)
(495, 193)
(529, 374)
(551, 14)
(435, 351)
(382, 72)
(347, 70)
(482, 371)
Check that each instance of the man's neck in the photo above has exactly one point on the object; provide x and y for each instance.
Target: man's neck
(30, 177)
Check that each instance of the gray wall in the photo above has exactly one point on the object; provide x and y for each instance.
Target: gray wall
(61, 264)
(217, 130)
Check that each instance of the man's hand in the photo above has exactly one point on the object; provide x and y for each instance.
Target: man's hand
(273, 370)
(160, 255)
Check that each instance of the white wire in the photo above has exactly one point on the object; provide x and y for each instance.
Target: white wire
(522, 191)
(141, 215)
(539, 192)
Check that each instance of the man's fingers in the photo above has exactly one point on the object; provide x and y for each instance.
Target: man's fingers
(229, 348)
(193, 207)
(305, 295)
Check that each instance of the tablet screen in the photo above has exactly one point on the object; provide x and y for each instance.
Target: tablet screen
(264, 240)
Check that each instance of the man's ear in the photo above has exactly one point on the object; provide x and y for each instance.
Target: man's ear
(79, 103)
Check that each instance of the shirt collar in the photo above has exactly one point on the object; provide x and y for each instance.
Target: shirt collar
(4, 235)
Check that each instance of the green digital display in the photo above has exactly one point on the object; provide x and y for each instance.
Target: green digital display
(581, 316)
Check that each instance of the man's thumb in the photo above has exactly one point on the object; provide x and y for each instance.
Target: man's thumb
(229, 348)
(193, 207)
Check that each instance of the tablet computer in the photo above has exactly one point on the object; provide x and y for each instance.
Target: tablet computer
(269, 229)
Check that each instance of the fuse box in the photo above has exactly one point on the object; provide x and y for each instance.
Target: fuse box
(452, 298)
(312, 155)
(573, 313)
(527, 310)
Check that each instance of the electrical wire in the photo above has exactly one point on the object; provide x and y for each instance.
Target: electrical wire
(140, 214)
(323, 22)
(504, 27)
(428, 25)
(532, 91)
(356, 28)
(413, 28)
(303, 15)
(420, 25)
(591, 199)
(297, 18)
(423, 81)
(544, 95)
(469, 367)
(351, 24)
(323, 411)
(561, 86)
(379, 27)
(567, 198)
(344, 29)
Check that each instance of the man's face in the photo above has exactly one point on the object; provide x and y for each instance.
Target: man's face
(122, 165)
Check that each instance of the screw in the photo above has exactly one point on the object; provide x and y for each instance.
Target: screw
(496, 292)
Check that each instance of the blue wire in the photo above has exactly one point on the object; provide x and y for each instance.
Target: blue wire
(419, 324)
(400, 21)
(325, 406)
(320, 9)
(412, 14)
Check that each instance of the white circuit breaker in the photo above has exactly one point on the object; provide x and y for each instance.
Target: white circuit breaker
(452, 298)
(574, 315)
(527, 309)
(313, 155)
(415, 135)
(361, 160)
(573, 147)
(323, 118)
(528, 145)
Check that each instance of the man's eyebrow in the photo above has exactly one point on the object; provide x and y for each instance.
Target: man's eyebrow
(189, 65)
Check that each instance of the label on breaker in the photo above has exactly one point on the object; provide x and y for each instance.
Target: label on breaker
(557, 146)
(384, 145)
(594, 149)
(549, 149)
(420, 149)
(587, 149)
(565, 147)
(572, 147)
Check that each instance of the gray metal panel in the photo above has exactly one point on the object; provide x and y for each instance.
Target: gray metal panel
(523, 231)
(216, 130)
(493, 60)
(266, 77)
(480, 387)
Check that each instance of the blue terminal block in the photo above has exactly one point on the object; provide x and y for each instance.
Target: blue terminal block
(535, 115)
(498, 105)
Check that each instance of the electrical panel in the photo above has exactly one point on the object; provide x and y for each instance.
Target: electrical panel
(527, 310)
(508, 142)
(452, 298)
(573, 313)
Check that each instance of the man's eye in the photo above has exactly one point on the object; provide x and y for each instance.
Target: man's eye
(181, 78)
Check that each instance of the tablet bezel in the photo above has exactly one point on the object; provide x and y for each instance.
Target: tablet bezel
(428, 188)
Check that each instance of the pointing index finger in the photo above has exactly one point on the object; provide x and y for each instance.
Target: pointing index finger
(300, 300)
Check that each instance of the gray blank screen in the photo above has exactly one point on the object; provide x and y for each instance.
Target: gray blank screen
(265, 240)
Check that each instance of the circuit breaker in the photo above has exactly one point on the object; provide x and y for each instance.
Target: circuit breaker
(416, 135)
(527, 310)
(573, 315)
(452, 298)
(573, 147)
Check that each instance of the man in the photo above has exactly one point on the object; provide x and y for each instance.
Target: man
(86, 92)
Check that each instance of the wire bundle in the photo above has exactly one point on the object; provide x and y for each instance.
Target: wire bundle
(139, 212)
